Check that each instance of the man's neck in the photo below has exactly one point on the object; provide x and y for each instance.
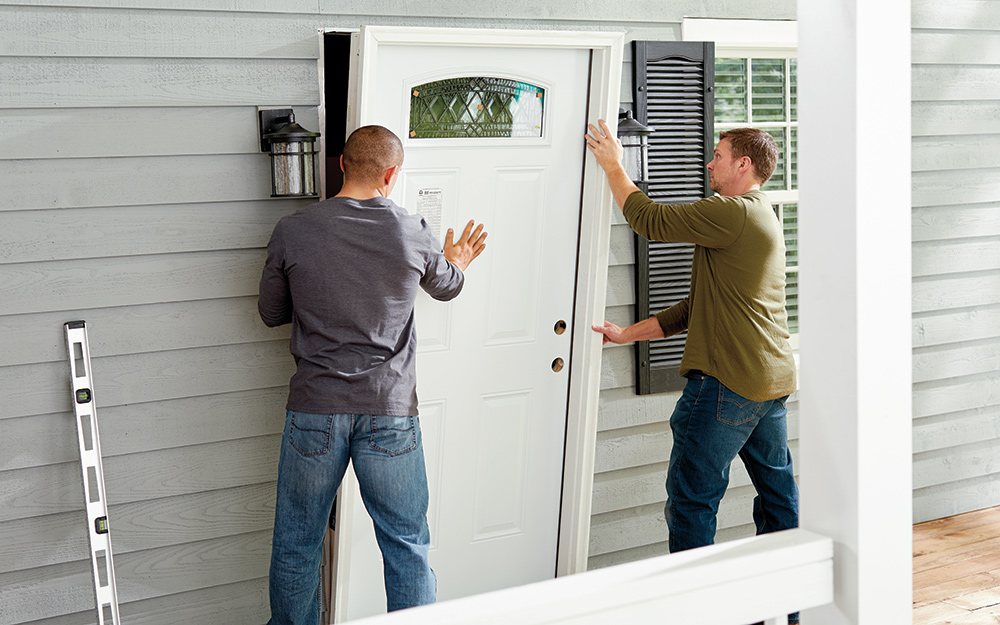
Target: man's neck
(743, 189)
(358, 192)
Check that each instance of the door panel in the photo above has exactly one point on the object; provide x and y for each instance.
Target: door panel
(493, 410)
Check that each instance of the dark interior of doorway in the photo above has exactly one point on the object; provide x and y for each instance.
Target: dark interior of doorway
(337, 71)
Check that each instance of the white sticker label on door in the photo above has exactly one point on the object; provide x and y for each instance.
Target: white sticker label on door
(430, 206)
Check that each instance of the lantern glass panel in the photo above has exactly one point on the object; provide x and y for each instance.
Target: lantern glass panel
(632, 157)
(292, 169)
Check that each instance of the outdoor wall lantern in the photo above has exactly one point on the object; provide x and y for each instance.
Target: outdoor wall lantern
(293, 153)
(635, 148)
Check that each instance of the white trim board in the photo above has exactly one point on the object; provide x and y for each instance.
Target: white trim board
(742, 33)
(856, 392)
(763, 577)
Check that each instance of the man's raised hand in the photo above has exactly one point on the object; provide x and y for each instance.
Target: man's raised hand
(468, 247)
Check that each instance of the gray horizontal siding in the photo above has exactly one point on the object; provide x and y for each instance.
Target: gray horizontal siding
(44, 82)
(956, 268)
(137, 378)
(139, 32)
(935, 223)
(149, 223)
(151, 180)
(955, 82)
(212, 322)
(222, 6)
(141, 575)
(45, 234)
(517, 10)
(955, 118)
(143, 525)
(239, 602)
(125, 281)
(960, 15)
(66, 133)
(197, 468)
(952, 326)
(143, 427)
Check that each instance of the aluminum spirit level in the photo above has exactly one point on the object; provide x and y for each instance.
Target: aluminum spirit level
(93, 473)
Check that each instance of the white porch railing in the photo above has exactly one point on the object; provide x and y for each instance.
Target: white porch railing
(734, 583)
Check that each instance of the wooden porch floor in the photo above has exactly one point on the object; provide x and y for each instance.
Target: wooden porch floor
(956, 570)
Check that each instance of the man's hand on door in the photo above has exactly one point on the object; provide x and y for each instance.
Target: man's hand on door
(607, 149)
(468, 247)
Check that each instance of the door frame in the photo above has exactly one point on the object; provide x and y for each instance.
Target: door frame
(592, 260)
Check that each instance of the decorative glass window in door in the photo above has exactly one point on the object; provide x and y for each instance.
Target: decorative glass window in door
(476, 106)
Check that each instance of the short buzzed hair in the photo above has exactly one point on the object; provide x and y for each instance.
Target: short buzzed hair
(756, 144)
(369, 151)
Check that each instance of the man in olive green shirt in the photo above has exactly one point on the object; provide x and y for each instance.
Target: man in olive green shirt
(737, 357)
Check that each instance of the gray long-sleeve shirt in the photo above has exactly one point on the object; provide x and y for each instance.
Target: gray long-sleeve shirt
(345, 274)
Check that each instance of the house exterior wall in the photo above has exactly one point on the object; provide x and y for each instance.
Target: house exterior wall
(136, 198)
(956, 257)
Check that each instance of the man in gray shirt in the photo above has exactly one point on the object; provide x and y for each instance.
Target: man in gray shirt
(345, 273)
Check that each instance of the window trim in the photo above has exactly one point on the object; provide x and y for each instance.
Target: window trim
(777, 35)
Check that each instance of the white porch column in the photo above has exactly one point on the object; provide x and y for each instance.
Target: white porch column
(854, 220)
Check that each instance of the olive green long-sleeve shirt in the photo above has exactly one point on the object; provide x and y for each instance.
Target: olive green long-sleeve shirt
(735, 312)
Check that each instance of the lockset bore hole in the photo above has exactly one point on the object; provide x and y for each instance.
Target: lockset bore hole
(557, 365)
(560, 327)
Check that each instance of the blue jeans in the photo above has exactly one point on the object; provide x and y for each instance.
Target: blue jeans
(711, 425)
(389, 462)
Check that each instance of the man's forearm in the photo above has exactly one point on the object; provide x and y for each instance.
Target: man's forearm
(643, 331)
(621, 185)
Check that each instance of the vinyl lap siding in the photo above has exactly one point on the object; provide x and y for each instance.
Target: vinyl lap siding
(956, 264)
(136, 199)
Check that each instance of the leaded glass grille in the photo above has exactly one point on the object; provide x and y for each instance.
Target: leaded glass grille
(476, 106)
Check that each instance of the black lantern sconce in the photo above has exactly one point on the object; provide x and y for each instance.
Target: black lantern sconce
(293, 153)
(635, 148)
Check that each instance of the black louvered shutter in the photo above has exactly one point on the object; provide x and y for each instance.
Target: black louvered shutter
(673, 94)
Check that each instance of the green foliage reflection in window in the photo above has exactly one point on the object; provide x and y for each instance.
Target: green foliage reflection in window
(476, 106)
(762, 93)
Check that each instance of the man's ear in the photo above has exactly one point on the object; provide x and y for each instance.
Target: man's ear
(342, 163)
(389, 174)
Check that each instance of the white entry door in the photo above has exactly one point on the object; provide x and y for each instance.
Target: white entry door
(493, 134)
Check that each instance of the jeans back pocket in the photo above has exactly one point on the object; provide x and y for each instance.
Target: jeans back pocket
(393, 435)
(736, 410)
(310, 434)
